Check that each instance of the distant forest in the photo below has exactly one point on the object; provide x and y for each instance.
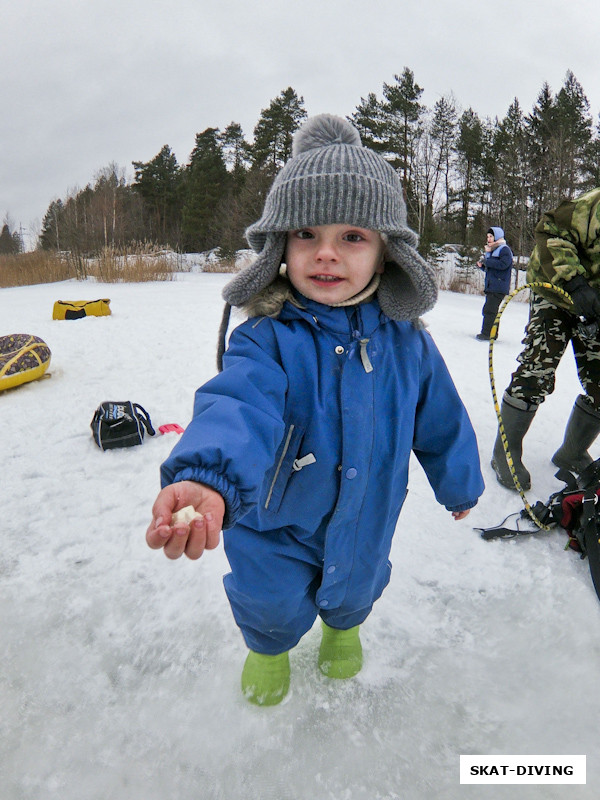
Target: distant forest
(461, 173)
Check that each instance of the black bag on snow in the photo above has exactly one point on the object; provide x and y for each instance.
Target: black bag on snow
(120, 425)
(576, 508)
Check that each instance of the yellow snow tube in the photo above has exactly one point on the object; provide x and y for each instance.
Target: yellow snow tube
(75, 309)
(23, 358)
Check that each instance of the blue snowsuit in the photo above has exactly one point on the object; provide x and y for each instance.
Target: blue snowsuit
(307, 435)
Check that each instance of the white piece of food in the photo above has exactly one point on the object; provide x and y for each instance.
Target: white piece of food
(186, 515)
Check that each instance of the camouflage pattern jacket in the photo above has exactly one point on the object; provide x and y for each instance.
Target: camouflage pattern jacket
(567, 244)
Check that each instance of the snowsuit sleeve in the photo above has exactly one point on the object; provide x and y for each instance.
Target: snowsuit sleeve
(444, 439)
(237, 424)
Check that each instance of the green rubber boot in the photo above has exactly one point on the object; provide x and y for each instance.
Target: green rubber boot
(582, 431)
(266, 679)
(340, 655)
(517, 416)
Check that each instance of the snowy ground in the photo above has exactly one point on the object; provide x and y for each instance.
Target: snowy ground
(120, 669)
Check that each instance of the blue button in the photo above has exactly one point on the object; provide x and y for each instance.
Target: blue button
(324, 603)
(330, 570)
(351, 473)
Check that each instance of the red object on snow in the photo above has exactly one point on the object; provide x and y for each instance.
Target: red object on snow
(171, 427)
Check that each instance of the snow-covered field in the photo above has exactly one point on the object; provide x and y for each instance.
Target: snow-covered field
(120, 669)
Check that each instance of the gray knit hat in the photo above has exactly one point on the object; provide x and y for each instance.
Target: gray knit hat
(332, 179)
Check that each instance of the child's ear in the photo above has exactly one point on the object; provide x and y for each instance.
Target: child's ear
(380, 268)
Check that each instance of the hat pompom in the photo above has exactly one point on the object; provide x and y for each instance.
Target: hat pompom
(324, 130)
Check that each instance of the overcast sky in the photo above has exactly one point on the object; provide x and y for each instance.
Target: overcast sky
(85, 83)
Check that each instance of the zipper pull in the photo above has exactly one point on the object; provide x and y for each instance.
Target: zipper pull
(364, 356)
(303, 462)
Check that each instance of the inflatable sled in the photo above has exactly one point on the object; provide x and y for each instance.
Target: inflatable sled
(75, 309)
(23, 358)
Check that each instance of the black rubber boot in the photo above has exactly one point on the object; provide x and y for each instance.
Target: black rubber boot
(517, 416)
(582, 430)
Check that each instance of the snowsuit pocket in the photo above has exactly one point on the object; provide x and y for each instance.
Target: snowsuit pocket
(284, 467)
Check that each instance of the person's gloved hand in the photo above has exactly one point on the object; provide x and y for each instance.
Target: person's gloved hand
(585, 299)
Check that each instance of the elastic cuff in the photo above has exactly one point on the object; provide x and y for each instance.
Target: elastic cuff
(463, 506)
(219, 484)
(516, 402)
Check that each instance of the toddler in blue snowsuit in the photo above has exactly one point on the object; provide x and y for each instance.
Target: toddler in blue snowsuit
(299, 449)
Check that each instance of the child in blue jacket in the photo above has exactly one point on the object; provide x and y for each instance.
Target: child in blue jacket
(299, 449)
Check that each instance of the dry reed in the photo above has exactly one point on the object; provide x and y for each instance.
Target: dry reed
(39, 266)
(136, 265)
(220, 265)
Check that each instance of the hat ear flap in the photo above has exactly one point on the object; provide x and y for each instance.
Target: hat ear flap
(259, 274)
(408, 285)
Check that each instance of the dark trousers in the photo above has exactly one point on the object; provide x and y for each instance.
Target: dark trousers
(489, 311)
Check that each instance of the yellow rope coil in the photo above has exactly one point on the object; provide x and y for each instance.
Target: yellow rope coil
(493, 336)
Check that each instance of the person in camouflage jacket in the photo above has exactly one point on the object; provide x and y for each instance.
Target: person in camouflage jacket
(567, 255)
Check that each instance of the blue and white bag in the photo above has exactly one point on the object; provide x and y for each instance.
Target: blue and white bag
(120, 425)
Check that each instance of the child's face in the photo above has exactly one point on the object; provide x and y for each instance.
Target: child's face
(332, 263)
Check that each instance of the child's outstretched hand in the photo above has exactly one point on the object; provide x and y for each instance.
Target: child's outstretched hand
(460, 514)
(191, 538)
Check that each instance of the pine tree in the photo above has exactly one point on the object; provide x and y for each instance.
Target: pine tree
(540, 127)
(591, 167)
(469, 148)
(487, 171)
(274, 130)
(403, 113)
(231, 216)
(206, 182)
(159, 183)
(10, 243)
(50, 236)
(509, 191)
(80, 233)
(574, 129)
(240, 209)
(235, 148)
(370, 121)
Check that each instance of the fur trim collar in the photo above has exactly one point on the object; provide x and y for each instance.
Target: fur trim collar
(269, 301)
